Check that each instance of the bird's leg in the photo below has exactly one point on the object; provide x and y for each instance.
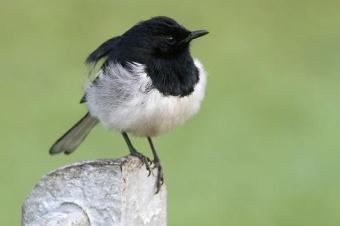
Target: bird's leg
(157, 164)
(134, 152)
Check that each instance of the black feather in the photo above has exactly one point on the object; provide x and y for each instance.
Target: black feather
(102, 51)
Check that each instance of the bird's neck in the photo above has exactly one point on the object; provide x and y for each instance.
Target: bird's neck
(176, 76)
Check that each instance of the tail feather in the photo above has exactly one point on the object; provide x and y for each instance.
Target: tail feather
(74, 136)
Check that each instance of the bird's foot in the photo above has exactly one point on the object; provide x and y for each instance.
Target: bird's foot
(160, 179)
(145, 160)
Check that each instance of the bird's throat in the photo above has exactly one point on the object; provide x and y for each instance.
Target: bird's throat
(175, 76)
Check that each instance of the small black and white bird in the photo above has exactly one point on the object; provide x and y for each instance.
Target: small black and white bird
(148, 84)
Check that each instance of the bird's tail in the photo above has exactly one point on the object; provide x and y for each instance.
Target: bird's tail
(74, 136)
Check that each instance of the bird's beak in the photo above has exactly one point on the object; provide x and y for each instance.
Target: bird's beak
(194, 35)
(197, 34)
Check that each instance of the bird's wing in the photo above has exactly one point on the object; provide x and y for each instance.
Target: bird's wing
(102, 51)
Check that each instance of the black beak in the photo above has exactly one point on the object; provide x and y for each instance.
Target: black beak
(194, 35)
(197, 34)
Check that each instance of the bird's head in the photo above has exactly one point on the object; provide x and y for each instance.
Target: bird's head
(161, 37)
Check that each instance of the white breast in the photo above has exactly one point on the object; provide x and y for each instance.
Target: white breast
(122, 101)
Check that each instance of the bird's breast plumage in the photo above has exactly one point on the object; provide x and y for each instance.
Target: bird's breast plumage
(125, 100)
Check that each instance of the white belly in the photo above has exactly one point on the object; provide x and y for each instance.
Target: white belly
(134, 110)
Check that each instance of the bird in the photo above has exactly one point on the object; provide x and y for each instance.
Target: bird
(148, 83)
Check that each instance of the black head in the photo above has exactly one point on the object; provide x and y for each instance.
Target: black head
(161, 36)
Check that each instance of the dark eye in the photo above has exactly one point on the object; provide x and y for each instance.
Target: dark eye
(170, 39)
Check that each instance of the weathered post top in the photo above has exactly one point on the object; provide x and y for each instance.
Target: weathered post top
(101, 192)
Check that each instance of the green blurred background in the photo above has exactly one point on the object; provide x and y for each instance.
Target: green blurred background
(263, 151)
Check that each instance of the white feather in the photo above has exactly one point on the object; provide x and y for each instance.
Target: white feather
(123, 101)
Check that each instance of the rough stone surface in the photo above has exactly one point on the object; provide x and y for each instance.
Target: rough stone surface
(102, 192)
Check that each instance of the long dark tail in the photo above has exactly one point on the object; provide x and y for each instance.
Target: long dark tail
(74, 136)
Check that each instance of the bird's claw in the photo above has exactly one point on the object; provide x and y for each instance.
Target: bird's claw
(145, 160)
(160, 177)
(150, 166)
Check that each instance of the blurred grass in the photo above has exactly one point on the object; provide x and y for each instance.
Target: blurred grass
(264, 149)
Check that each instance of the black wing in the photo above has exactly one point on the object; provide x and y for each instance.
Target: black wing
(102, 51)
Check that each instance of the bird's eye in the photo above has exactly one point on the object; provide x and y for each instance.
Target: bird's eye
(170, 40)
